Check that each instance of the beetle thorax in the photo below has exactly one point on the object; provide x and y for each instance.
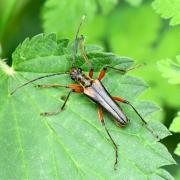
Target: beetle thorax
(78, 76)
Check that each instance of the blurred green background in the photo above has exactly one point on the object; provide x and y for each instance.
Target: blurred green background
(130, 28)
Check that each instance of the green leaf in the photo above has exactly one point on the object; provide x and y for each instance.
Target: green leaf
(170, 69)
(63, 16)
(73, 144)
(175, 127)
(162, 50)
(168, 9)
(177, 150)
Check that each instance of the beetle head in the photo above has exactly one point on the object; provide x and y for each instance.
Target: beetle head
(75, 72)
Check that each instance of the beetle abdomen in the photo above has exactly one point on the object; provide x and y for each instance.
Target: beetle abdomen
(99, 94)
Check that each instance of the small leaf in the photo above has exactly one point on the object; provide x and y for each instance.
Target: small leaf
(73, 144)
(175, 127)
(168, 9)
(177, 150)
(170, 69)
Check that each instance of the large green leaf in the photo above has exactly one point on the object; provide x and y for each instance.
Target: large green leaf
(73, 144)
(168, 9)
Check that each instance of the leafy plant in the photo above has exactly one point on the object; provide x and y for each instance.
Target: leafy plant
(175, 127)
(169, 68)
(73, 144)
(168, 9)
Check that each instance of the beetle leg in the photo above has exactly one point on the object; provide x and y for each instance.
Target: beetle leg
(142, 119)
(91, 72)
(124, 70)
(59, 110)
(104, 70)
(102, 74)
(100, 112)
(117, 69)
(74, 88)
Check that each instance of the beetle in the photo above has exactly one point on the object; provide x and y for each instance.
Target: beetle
(93, 89)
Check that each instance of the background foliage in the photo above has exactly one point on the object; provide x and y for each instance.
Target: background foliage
(147, 31)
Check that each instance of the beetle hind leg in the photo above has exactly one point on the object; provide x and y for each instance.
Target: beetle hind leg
(100, 112)
(135, 110)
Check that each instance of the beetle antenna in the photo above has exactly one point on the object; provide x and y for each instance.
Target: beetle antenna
(84, 52)
(36, 79)
(76, 40)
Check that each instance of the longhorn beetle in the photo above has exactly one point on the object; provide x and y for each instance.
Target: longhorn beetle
(93, 89)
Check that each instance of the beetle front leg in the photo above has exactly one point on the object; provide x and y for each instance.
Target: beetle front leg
(91, 72)
(100, 112)
(142, 119)
(102, 74)
(74, 88)
(104, 70)
(123, 71)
